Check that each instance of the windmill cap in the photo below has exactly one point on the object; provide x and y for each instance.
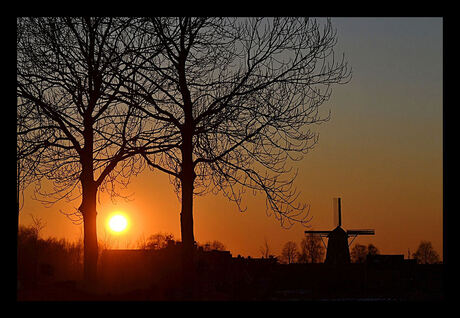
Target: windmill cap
(338, 231)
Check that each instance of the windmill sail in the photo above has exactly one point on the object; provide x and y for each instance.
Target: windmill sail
(337, 245)
(337, 213)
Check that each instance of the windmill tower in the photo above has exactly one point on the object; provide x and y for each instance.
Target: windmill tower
(338, 251)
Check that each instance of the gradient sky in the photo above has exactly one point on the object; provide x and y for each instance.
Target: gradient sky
(381, 152)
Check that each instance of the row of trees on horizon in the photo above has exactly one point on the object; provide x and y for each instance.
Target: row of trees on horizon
(312, 250)
(64, 258)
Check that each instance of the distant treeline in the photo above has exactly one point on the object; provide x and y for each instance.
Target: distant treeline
(312, 250)
(42, 260)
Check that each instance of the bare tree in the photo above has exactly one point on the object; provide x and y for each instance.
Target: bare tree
(312, 249)
(265, 249)
(84, 139)
(105, 242)
(159, 240)
(372, 250)
(425, 254)
(141, 242)
(28, 142)
(37, 225)
(26, 154)
(237, 98)
(289, 253)
(358, 253)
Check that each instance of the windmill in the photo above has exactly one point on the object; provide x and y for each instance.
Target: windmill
(337, 246)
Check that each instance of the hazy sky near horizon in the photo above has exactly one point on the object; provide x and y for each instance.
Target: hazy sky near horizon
(381, 152)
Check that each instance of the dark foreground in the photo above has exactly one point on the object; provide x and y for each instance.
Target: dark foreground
(153, 276)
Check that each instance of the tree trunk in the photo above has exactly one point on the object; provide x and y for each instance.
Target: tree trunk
(186, 218)
(88, 209)
(187, 176)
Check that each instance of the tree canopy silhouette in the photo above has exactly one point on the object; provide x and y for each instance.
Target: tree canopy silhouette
(312, 249)
(71, 127)
(426, 254)
(219, 104)
(237, 97)
(289, 253)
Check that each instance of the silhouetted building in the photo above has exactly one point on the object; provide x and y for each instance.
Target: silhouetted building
(337, 247)
(218, 273)
(338, 252)
(383, 260)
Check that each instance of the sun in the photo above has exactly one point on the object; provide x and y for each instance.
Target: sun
(118, 223)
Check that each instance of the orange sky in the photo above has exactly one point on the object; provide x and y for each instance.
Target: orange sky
(381, 152)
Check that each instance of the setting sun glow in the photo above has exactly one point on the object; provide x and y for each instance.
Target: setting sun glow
(118, 223)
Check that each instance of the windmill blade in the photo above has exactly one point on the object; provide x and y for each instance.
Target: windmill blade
(320, 233)
(336, 210)
(361, 232)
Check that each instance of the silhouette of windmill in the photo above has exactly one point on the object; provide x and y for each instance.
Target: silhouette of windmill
(337, 246)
